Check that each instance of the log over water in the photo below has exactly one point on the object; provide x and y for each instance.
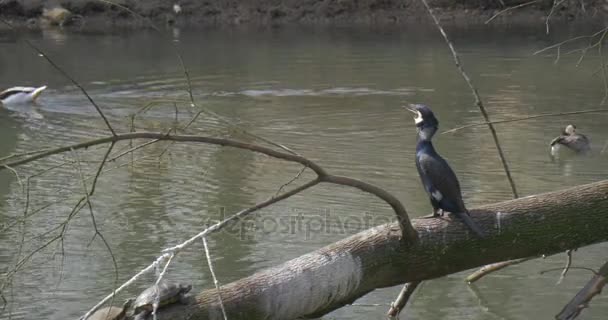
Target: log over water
(338, 274)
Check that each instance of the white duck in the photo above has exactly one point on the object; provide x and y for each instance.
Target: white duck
(20, 95)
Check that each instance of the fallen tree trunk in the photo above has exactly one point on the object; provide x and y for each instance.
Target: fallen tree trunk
(336, 275)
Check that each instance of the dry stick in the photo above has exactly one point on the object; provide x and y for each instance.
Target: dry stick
(571, 40)
(544, 115)
(405, 294)
(510, 8)
(26, 191)
(217, 284)
(604, 76)
(494, 267)
(214, 228)
(555, 5)
(156, 303)
(79, 205)
(17, 155)
(567, 267)
(408, 232)
(66, 75)
(583, 297)
(572, 268)
(478, 102)
(87, 195)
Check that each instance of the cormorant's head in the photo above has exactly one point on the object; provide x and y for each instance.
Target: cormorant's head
(570, 130)
(424, 117)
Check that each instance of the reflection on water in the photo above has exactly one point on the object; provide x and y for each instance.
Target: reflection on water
(333, 96)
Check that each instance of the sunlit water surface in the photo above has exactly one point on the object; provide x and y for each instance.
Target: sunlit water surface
(331, 95)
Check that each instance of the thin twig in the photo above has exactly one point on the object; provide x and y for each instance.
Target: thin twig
(296, 177)
(217, 284)
(567, 267)
(478, 102)
(510, 8)
(555, 5)
(571, 268)
(156, 284)
(87, 195)
(490, 268)
(603, 67)
(544, 115)
(16, 155)
(571, 40)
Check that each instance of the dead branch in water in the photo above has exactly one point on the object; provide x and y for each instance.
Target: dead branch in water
(404, 296)
(487, 269)
(581, 300)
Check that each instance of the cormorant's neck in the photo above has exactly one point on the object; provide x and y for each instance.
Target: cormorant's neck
(425, 134)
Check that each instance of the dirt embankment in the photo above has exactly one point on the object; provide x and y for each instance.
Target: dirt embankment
(36, 13)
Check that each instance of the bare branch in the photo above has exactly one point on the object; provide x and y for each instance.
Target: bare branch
(215, 282)
(511, 8)
(567, 267)
(571, 40)
(544, 115)
(581, 300)
(404, 296)
(487, 269)
(555, 5)
(478, 102)
(603, 67)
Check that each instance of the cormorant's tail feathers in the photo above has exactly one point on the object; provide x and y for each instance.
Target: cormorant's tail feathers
(471, 224)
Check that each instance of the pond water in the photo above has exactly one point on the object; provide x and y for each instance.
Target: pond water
(333, 95)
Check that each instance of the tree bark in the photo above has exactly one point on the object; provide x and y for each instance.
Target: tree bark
(338, 274)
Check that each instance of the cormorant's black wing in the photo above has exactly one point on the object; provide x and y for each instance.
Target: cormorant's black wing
(442, 183)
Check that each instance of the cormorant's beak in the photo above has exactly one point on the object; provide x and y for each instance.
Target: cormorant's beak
(417, 116)
(411, 109)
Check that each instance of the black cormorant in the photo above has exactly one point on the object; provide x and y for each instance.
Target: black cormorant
(437, 177)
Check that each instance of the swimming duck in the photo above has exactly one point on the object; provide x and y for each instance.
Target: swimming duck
(574, 141)
(20, 95)
(438, 179)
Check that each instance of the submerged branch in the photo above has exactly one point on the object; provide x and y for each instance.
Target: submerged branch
(581, 300)
(404, 296)
(487, 269)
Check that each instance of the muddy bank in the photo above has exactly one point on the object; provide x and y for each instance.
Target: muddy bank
(99, 14)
